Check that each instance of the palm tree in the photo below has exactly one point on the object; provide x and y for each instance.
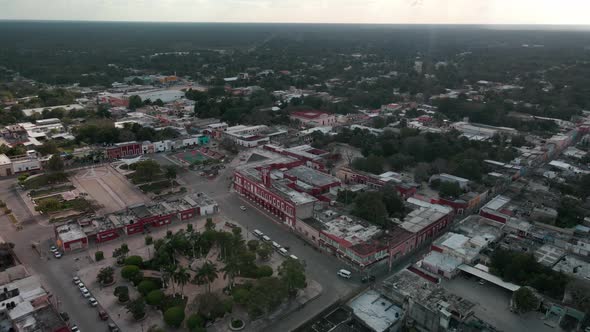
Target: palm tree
(207, 274)
(168, 275)
(231, 269)
(181, 277)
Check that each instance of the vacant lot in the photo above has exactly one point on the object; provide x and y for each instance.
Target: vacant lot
(108, 188)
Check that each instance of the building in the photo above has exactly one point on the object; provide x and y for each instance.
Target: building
(376, 312)
(263, 182)
(498, 209)
(39, 110)
(404, 187)
(25, 306)
(443, 177)
(427, 223)
(247, 136)
(13, 135)
(476, 130)
(314, 118)
(5, 165)
(123, 150)
(25, 163)
(428, 307)
(313, 158)
(70, 236)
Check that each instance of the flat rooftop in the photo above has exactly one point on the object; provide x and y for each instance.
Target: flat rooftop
(421, 218)
(375, 310)
(70, 231)
(497, 203)
(312, 176)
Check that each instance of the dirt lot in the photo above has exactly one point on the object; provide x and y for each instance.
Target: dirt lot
(108, 188)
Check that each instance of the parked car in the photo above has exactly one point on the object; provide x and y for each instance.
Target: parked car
(243, 208)
(103, 315)
(53, 249)
(368, 278)
(276, 245)
(93, 302)
(74, 328)
(265, 238)
(81, 285)
(64, 315)
(230, 225)
(76, 280)
(257, 233)
(85, 292)
(283, 252)
(113, 327)
(57, 254)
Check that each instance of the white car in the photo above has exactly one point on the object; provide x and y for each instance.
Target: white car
(76, 280)
(276, 245)
(243, 208)
(85, 292)
(92, 302)
(53, 249)
(74, 328)
(81, 285)
(57, 254)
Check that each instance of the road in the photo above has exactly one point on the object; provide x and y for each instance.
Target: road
(55, 274)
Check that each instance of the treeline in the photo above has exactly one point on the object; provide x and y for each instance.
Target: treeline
(430, 153)
(104, 132)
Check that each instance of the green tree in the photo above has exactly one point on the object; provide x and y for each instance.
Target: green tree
(174, 316)
(130, 272)
(122, 293)
(209, 225)
(155, 297)
(292, 273)
(170, 173)
(55, 164)
(264, 271)
(135, 102)
(253, 245)
(369, 206)
(195, 322)
(265, 251)
(136, 308)
(98, 256)
(146, 286)
(145, 171)
(181, 277)
(449, 189)
(525, 300)
(134, 260)
(207, 274)
(106, 275)
(394, 204)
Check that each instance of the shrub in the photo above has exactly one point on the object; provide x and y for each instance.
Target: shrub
(155, 297)
(98, 256)
(130, 272)
(194, 321)
(134, 260)
(149, 240)
(237, 323)
(122, 293)
(253, 245)
(264, 271)
(241, 295)
(174, 316)
(146, 286)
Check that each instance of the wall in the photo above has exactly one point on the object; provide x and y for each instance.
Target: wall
(24, 165)
(310, 233)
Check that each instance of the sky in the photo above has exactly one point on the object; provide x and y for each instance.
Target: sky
(305, 11)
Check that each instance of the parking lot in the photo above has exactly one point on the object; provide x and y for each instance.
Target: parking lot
(107, 188)
(493, 305)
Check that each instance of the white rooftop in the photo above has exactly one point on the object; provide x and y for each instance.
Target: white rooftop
(421, 218)
(497, 203)
(375, 310)
(489, 277)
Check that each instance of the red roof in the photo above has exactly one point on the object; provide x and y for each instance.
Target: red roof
(308, 114)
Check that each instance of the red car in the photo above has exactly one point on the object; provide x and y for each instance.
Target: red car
(103, 315)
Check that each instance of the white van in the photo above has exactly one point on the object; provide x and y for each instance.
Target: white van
(293, 257)
(257, 233)
(344, 273)
(276, 245)
(283, 252)
(265, 238)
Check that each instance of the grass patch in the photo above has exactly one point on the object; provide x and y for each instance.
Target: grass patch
(45, 180)
(56, 203)
(45, 192)
(156, 187)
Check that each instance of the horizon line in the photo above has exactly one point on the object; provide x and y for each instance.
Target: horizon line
(299, 23)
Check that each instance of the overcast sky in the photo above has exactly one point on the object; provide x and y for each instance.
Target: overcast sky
(305, 11)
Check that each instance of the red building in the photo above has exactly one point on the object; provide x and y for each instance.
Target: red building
(427, 223)
(70, 236)
(122, 150)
